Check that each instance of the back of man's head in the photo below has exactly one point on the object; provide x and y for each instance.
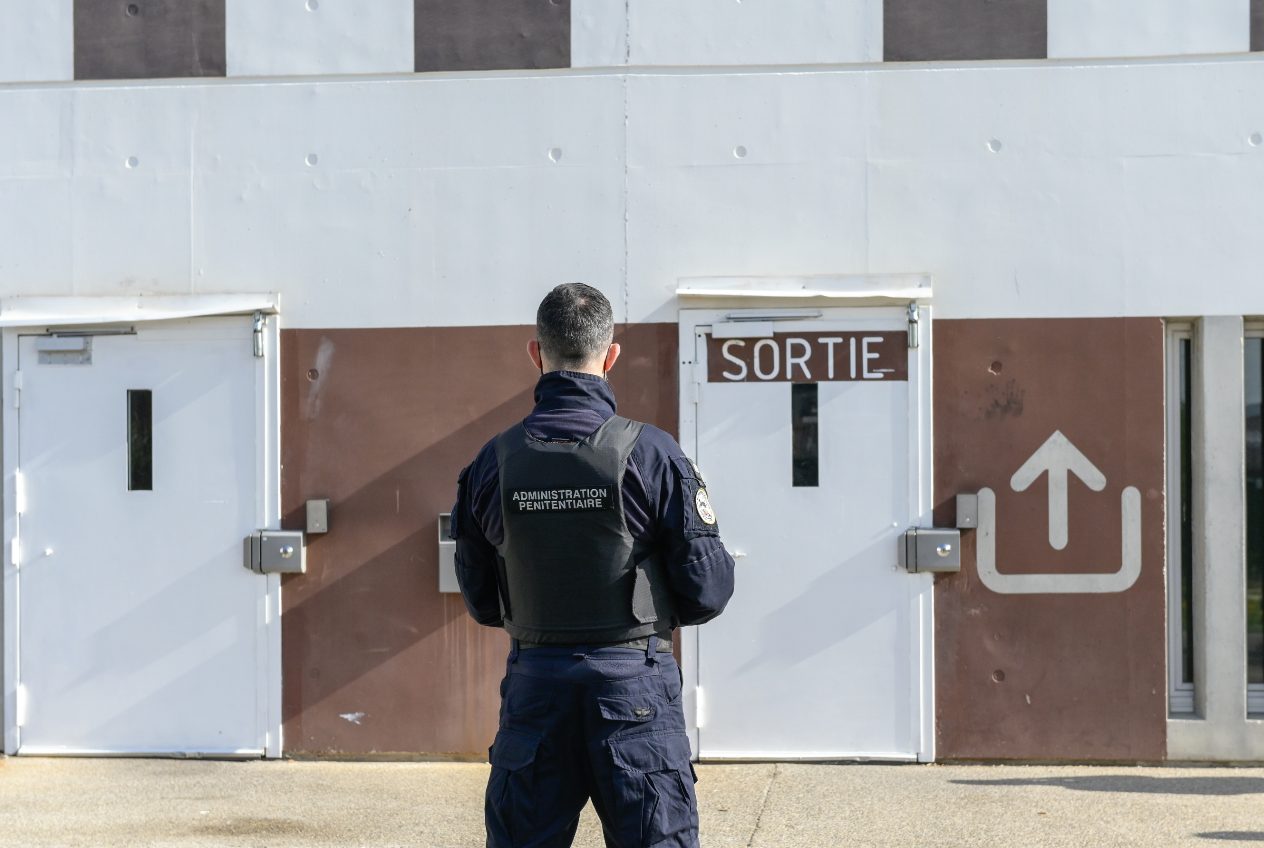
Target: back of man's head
(574, 325)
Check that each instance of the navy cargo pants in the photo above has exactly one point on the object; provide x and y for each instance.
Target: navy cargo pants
(600, 723)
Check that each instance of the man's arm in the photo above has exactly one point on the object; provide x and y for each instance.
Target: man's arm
(476, 558)
(699, 569)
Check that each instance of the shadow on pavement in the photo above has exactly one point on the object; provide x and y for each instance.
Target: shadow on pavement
(1137, 783)
(1234, 835)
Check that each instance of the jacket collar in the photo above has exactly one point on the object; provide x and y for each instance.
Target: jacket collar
(558, 390)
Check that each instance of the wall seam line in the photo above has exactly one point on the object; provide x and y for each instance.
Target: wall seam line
(627, 54)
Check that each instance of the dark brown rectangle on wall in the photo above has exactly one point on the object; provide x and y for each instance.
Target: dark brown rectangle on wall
(1257, 25)
(478, 35)
(146, 39)
(380, 421)
(940, 30)
(1051, 642)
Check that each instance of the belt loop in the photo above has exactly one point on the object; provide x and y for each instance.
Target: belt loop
(513, 651)
(651, 645)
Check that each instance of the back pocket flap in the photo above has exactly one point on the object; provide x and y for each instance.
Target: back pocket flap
(651, 752)
(626, 709)
(513, 750)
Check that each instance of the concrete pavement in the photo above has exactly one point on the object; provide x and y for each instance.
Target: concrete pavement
(109, 803)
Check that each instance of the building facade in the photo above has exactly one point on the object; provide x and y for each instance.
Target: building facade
(865, 257)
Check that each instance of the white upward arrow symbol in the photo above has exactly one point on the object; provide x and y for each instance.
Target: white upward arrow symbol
(1057, 456)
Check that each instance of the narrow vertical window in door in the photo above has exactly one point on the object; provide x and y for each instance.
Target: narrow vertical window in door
(1184, 352)
(1180, 529)
(805, 452)
(140, 440)
(1254, 397)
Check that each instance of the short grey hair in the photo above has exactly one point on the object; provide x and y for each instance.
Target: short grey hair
(574, 325)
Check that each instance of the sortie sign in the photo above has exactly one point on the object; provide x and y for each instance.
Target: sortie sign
(808, 358)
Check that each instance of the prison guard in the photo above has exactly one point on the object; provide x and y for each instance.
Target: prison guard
(572, 572)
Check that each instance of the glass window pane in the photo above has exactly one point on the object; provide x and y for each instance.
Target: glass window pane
(803, 426)
(1254, 511)
(140, 440)
(1187, 524)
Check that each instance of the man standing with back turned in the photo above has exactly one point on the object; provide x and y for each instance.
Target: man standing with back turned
(589, 538)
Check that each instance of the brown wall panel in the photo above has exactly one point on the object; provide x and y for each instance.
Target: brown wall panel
(380, 421)
(1051, 676)
(1257, 24)
(476, 35)
(646, 379)
(927, 30)
(142, 39)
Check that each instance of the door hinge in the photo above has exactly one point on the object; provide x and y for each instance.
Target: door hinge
(914, 327)
(697, 372)
(261, 321)
(17, 389)
(695, 384)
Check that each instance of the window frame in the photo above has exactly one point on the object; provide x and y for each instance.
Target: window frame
(1252, 328)
(1181, 693)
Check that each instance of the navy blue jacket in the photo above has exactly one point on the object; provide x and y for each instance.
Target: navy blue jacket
(660, 489)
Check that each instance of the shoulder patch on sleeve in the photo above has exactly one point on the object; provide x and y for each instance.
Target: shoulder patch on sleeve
(702, 503)
(699, 515)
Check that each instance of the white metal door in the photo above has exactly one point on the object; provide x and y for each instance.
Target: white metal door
(825, 649)
(139, 629)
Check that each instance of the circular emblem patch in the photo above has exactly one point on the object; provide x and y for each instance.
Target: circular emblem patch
(703, 504)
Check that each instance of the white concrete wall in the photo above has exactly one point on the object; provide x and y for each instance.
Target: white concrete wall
(754, 32)
(1114, 189)
(281, 37)
(599, 33)
(1148, 27)
(36, 40)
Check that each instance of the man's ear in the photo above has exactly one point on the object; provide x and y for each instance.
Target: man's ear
(533, 351)
(611, 355)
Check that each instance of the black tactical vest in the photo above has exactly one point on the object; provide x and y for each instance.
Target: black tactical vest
(573, 574)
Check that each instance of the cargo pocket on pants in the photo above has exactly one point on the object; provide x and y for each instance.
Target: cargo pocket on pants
(509, 788)
(653, 790)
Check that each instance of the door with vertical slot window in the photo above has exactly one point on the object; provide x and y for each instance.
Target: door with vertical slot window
(812, 431)
(140, 631)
